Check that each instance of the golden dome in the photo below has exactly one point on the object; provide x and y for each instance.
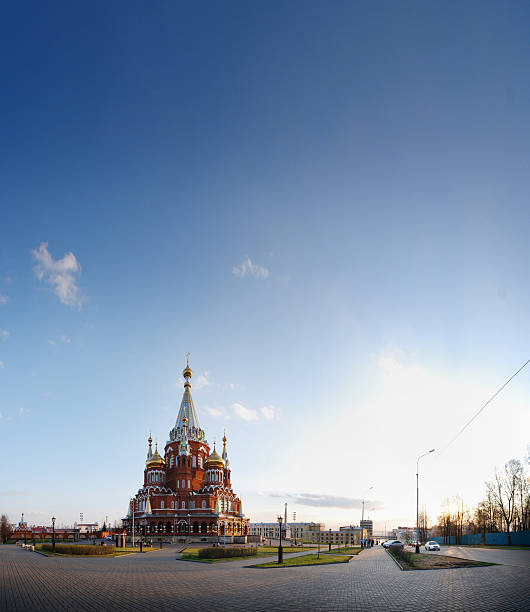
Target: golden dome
(187, 373)
(156, 460)
(214, 460)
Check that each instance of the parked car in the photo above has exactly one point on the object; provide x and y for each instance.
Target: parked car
(390, 543)
(109, 537)
(432, 545)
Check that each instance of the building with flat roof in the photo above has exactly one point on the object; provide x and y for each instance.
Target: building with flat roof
(303, 532)
(369, 526)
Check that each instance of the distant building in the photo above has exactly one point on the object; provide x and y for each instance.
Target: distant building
(369, 526)
(303, 532)
(347, 536)
(86, 527)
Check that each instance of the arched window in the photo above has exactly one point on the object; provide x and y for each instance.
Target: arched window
(183, 484)
(171, 461)
(162, 505)
(189, 485)
(204, 503)
(183, 505)
(194, 461)
(172, 505)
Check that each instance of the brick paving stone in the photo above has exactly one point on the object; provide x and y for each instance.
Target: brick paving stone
(371, 581)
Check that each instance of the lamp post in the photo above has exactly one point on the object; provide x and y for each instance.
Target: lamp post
(329, 539)
(418, 500)
(53, 534)
(132, 510)
(280, 549)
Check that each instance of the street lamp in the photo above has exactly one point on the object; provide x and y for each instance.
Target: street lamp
(53, 534)
(132, 510)
(330, 539)
(418, 500)
(280, 549)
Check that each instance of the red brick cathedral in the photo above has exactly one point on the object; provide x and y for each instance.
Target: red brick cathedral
(188, 491)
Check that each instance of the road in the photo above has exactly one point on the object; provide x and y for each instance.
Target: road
(157, 581)
(514, 558)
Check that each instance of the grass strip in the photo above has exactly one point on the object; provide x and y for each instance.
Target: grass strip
(304, 560)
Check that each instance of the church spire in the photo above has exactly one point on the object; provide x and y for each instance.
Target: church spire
(150, 450)
(187, 410)
(225, 455)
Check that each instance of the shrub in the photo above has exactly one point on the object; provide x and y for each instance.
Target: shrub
(80, 549)
(222, 553)
(404, 555)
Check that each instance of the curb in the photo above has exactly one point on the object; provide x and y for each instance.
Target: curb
(395, 560)
(301, 564)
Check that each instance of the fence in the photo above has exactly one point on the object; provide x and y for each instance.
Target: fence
(519, 538)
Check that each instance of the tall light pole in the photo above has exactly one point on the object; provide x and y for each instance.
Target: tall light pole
(362, 516)
(53, 533)
(280, 549)
(132, 510)
(418, 500)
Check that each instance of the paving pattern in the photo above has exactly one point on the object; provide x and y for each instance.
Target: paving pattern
(157, 581)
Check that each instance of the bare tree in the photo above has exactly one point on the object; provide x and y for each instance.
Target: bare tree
(503, 490)
(6, 529)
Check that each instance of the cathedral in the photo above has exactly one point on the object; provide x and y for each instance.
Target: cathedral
(187, 492)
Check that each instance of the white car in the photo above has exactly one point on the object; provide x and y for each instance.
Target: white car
(432, 545)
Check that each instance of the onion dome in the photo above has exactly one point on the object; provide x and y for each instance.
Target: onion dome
(214, 460)
(187, 373)
(156, 460)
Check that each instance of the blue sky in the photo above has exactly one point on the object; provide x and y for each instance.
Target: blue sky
(327, 205)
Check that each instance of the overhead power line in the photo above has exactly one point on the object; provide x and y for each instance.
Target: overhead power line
(482, 408)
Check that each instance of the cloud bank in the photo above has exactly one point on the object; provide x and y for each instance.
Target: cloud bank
(328, 501)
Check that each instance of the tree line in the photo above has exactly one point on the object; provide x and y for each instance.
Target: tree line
(505, 507)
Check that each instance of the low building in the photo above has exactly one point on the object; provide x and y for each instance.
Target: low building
(86, 528)
(347, 536)
(303, 532)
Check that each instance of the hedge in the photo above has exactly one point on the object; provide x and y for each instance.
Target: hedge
(220, 553)
(80, 549)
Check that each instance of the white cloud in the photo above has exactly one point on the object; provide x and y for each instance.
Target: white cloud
(269, 412)
(247, 414)
(215, 412)
(64, 339)
(3, 298)
(201, 381)
(2, 364)
(4, 333)
(61, 274)
(247, 268)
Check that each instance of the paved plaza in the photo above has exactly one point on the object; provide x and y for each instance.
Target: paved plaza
(157, 581)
